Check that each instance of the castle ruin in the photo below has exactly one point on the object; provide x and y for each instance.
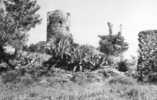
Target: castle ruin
(147, 61)
(58, 24)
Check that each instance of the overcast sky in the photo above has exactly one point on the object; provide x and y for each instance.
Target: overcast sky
(89, 18)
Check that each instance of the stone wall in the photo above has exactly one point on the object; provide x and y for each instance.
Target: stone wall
(58, 24)
(147, 61)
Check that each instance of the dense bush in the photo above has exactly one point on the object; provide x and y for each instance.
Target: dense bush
(68, 55)
(38, 47)
(84, 57)
(123, 66)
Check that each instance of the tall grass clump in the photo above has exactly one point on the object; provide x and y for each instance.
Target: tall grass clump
(71, 56)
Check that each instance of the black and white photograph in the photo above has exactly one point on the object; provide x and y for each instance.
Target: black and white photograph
(78, 49)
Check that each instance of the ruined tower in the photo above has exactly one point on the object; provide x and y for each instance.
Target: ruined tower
(58, 24)
(147, 61)
(2, 7)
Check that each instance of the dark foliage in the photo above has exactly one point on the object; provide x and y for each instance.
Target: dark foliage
(40, 47)
(16, 20)
(123, 66)
(70, 56)
(19, 19)
(112, 44)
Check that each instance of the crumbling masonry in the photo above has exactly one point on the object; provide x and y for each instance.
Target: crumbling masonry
(58, 24)
(147, 61)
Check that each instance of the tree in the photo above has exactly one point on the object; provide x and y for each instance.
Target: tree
(19, 18)
(112, 45)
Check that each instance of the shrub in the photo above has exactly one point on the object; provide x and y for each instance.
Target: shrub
(27, 63)
(3, 67)
(61, 53)
(71, 56)
(84, 58)
(38, 47)
(123, 66)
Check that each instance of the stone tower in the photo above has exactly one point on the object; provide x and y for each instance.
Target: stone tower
(2, 7)
(58, 24)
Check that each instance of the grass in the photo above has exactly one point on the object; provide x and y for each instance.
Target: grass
(61, 87)
(110, 93)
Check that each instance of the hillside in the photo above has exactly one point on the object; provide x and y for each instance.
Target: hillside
(78, 86)
(101, 84)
